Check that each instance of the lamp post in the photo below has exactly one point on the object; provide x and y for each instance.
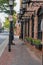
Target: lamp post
(11, 32)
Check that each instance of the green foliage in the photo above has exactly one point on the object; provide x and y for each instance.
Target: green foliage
(37, 42)
(28, 39)
(14, 18)
(34, 41)
(4, 4)
(6, 23)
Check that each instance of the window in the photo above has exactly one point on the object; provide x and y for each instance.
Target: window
(32, 26)
(39, 28)
(28, 26)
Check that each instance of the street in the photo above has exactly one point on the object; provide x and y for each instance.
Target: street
(3, 38)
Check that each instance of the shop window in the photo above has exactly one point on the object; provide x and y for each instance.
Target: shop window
(21, 30)
(28, 27)
(32, 26)
(40, 16)
(39, 28)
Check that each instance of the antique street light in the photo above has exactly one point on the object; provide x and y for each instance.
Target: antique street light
(24, 6)
(21, 11)
(11, 33)
(11, 2)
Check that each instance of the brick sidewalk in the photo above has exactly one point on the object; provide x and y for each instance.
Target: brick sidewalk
(18, 56)
(32, 48)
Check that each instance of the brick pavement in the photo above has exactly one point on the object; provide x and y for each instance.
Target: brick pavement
(18, 56)
(34, 50)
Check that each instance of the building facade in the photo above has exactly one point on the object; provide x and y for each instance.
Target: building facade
(31, 19)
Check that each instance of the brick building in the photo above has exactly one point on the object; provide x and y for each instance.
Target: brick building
(31, 19)
(17, 28)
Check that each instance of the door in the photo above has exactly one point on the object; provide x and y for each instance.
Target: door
(39, 27)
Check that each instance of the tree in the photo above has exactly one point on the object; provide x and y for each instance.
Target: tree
(14, 18)
(4, 6)
(6, 23)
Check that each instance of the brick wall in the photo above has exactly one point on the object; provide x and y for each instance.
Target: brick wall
(34, 7)
(35, 27)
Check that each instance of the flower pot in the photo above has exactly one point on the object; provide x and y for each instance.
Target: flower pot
(39, 47)
(31, 43)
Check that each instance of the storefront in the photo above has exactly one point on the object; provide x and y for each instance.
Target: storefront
(40, 17)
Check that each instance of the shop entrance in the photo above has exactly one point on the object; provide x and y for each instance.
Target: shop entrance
(40, 15)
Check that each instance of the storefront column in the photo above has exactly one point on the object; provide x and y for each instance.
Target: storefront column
(35, 27)
(30, 28)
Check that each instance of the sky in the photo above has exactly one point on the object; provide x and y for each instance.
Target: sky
(3, 15)
(17, 6)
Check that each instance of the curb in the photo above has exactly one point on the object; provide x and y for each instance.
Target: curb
(3, 46)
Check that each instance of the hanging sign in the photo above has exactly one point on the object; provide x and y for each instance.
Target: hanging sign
(10, 18)
(42, 25)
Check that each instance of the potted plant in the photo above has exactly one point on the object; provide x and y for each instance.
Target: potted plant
(38, 44)
(28, 39)
(31, 41)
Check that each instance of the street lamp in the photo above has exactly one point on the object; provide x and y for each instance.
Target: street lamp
(24, 6)
(21, 11)
(11, 33)
(11, 2)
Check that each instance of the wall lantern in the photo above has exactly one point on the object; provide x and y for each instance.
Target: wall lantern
(26, 1)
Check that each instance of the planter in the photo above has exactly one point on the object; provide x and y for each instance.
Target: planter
(39, 46)
(31, 43)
